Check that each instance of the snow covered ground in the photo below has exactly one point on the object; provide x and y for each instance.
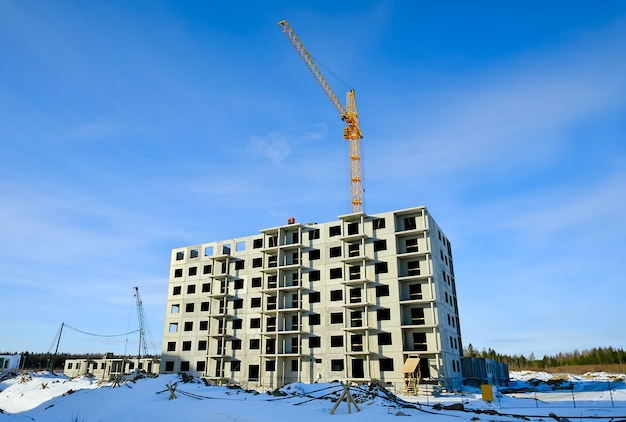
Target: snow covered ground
(537, 396)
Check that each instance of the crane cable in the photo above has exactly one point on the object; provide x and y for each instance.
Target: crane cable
(333, 74)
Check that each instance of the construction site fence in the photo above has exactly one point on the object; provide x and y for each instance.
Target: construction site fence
(610, 395)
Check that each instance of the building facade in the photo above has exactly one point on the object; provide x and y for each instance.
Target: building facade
(109, 366)
(351, 299)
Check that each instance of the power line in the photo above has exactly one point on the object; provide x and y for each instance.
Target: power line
(100, 335)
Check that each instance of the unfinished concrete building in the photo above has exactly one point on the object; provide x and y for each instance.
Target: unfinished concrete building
(110, 366)
(9, 362)
(364, 298)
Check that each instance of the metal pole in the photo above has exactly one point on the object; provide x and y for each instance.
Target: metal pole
(51, 361)
(59, 340)
(139, 351)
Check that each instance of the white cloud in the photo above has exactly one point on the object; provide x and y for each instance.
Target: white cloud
(54, 225)
(274, 147)
(513, 115)
(592, 209)
(277, 146)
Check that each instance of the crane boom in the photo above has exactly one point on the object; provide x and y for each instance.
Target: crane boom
(348, 114)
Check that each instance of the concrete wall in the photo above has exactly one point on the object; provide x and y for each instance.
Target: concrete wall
(9, 362)
(109, 367)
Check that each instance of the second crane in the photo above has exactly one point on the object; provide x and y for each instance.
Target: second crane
(349, 114)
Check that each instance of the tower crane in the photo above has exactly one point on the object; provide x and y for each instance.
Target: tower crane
(349, 114)
(144, 330)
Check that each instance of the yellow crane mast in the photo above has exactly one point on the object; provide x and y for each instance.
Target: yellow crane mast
(349, 114)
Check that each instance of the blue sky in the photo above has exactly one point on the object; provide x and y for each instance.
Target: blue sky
(128, 128)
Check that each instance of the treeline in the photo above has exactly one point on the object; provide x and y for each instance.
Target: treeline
(37, 361)
(595, 356)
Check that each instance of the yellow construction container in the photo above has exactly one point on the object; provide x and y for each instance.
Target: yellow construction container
(487, 391)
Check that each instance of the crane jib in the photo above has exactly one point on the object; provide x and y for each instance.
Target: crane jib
(348, 114)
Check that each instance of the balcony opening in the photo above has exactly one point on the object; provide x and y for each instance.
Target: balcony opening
(271, 324)
(413, 268)
(271, 303)
(270, 346)
(295, 345)
(415, 291)
(357, 368)
(417, 316)
(356, 342)
(419, 342)
(356, 319)
(354, 249)
(411, 245)
(295, 300)
(355, 295)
